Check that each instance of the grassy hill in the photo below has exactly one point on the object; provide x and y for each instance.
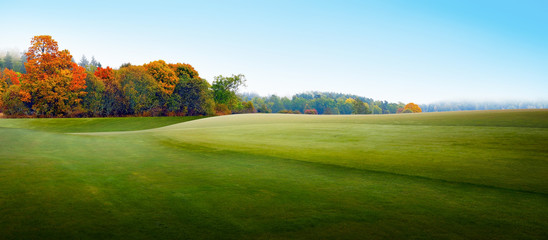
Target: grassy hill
(454, 175)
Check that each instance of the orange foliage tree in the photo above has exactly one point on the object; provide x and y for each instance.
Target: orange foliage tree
(184, 70)
(114, 101)
(105, 74)
(413, 107)
(54, 83)
(9, 77)
(163, 74)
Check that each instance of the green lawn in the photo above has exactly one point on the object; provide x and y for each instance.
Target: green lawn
(456, 175)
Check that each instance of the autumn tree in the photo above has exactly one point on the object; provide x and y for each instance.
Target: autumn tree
(106, 74)
(247, 107)
(183, 70)
(7, 79)
(55, 84)
(12, 101)
(163, 74)
(413, 107)
(114, 101)
(140, 89)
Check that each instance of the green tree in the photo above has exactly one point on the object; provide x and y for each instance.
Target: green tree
(322, 103)
(393, 107)
(275, 103)
(93, 101)
(140, 89)
(299, 103)
(261, 105)
(344, 107)
(23, 62)
(360, 107)
(286, 102)
(194, 95)
(225, 88)
(8, 61)
(376, 109)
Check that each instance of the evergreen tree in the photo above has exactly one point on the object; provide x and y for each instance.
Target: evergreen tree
(84, 61)
(8, 61)
(93, 62)
(23, 61)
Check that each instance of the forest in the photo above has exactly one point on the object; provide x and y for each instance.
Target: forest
(47, 82)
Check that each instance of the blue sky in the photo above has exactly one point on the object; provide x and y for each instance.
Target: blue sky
(420, 51)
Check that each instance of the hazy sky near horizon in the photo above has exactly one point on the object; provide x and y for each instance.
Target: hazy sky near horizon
(422, 51)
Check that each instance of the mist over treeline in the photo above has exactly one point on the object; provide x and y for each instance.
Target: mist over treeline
(13, 60)
(445, 106)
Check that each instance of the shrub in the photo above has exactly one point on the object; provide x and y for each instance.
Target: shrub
(222, 109)
(248, 107)
(311, 111)
(289, 111)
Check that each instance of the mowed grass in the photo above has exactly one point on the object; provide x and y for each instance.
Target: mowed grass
(68, 125)
(458, 175)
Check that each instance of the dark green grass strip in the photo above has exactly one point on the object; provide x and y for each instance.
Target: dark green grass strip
(201, 148)
(73, 125)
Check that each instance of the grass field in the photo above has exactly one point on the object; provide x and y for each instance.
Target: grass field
(455, 175)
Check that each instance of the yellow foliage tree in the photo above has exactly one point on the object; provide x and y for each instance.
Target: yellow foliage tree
(350, 100)
(163, 74)
(413, 107)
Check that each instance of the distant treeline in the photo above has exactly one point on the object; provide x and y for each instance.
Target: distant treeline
(466, 106)
(323, 103)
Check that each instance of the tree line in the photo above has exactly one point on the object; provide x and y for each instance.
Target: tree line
(47, 82)
(327, 103)
(471, 106)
